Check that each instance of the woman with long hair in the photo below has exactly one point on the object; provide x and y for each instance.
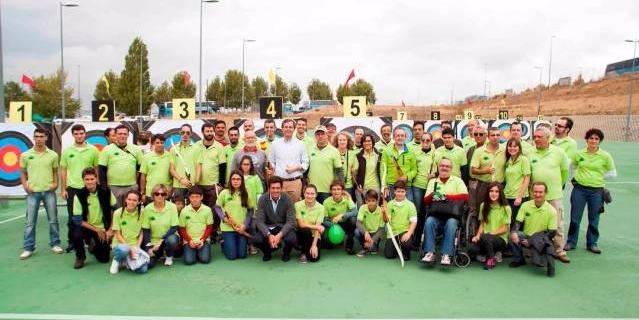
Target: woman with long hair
(127, 226)
(344, 144)
(494, 225)
(254, 187)
(309, 215)
(235, 209)
(516, 176)
(368, 160)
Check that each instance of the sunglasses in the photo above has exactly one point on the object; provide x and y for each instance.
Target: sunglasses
(478, 134)
(426, 140)
(160, 194)
(185, 132)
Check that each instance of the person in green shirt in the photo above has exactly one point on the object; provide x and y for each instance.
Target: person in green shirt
(127, 238)
(184, 160)
(155, 168)
(234, 146)
(469, 140)
(563, 126)
(424, 160)
(516, 131)
(451, 151)
(235, 208)
(592, 166)
(357, 139)
(324, 164)
(418, 130)
(340, 209)
(269, 132)
(309, 215)
(39, 178)
(486, 165)
(398, 164)
(370, 224)
(159, 225)
(385, 140)
(401, 216)
(368, 163)
(494, 226)
(301, 135)
(195, 226)
(516, 177)
(344, 145)
(211, 165)
(254, 187)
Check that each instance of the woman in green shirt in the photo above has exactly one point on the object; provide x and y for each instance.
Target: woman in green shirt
(159, 226)
(309, 215)
(424, 159)
(368, 160)
(516, 176)
(344, 144)
(235, 214)
(494, 225)
(127, 226)
(254, 187)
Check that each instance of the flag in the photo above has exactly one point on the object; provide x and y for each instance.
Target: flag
(350, 76)
(503, 102)
(403, 104)
(28, 81)
(106, 84)
(469, 101)
(186, 77)
(271, 76)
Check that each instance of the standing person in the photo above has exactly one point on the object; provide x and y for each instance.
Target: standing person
(236, 213)
(331, 130)
(109, 134)
(487, 165)
(398, 164)
(385, 141)
(469, 140)
(75, 158)
(370, 224)
(418, 130)
(516, 177)
(300, 133)
(269, 131)
(231, 150)
(257, 156)
(440, 142)
(340, 209)
(357, 139)
(155, 168)
(592, 166)
(220, 131)
(550, 165)
(195, 227)
(159, 224)
(451, 151)
(309, 214)
(516, 131)
(183, 166)
(494, 225)
(563, 126)
(211, 166)
(479, 133)
(143, 142)
(127, 237)
(39, 178)
(289, 160)
(248, 125)
(344, 145)
(92, 212)
(252, 181)
(402, 218)
(424, 161)
(368, 161)
(119, 164)
(275, 220)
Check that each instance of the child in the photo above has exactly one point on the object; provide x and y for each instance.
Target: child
(370, 225)
(235, 214)
(254, 187)
(402, 217)
(339, 208)
(179, 203)
(309, 215)
(196, 224)
(127, 227)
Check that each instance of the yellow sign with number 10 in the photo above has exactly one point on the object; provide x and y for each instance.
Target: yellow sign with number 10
(354, 106)
(20, 111)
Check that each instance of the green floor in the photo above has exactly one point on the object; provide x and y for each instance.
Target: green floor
(339, 286)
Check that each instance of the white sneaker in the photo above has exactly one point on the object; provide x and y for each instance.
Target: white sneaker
(25, 254)
(445, 260)
(168, 261)
(498, 256)
(481, 258)
(57, 250)
(115, 267)
(429, 257)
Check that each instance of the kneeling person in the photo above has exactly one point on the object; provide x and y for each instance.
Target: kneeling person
(401, 215)
(159, 224)
(127, 228)
(309, 214)
(195, 226)
(370, 224)
(340, 209)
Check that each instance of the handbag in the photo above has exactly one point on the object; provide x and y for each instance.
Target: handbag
(446, 209)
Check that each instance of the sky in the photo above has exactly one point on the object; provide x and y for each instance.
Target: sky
(419, 52)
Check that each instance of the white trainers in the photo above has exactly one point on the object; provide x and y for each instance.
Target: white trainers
(25, 254)
(481, 258)
(445, 260)
(115, 267)
(168, 261)
(429, 257)
(498, 256)
(57, 250)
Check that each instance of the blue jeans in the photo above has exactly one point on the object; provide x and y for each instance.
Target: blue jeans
(434, 225)
(121, 252)
(193, 255)
(579, 198)
(167, 248)
(234, 245)
(518, 254)
(418, 200)
(33, 204)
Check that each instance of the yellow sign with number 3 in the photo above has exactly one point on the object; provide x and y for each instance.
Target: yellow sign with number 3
(183, 109)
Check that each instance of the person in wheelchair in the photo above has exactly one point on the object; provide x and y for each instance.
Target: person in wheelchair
(445, 200)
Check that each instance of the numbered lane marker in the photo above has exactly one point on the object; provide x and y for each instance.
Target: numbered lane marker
(102, 110)
(540, 117)
(271, 107)
(502, 115)
(20, 111)
(436, 115)
(469, 114)
(459, 117)
(402, 115)
(183, 109)
(354, 106)
(520, 117)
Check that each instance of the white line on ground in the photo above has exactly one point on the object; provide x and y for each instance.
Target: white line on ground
(18, 217)
(622, 182)
(96, 317)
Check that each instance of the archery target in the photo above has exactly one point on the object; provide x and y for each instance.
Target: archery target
(434, 127)
(504, 129)
(171, 130)
(406, 126)
(371, 125)
(95, 134)
(97, 139)
(173, 135)
(12, 145)
(461, 128)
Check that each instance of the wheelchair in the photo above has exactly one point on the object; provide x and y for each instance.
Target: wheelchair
(463, 234)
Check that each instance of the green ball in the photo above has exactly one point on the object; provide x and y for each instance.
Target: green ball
(336, 234)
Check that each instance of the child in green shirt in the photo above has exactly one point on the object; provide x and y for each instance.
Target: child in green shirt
(340, 209)
(370, 225)
(401, 216)
(127, 228)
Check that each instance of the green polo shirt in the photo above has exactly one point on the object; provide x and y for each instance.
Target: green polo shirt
(265, 145)
(350, 164)
(232, 205)
(537, 219)
(497, 217)
(121, 163)
(456, 155)
(229, 153)
(313, 215)
(514, 176)
(190, 153)
(380, 145)
(414, 146)
(591, 167)
(568, 144)
(39, 167)
(333, 208)
(371, 178)
(371, 221)
(453, 185)
(94, 217)
(130, 226)
(526, 148)
(195, 221)
(253, 186)
(483, 158)
(468, 142)
(156, 169)
(159, 222)
(400, 214)
(308, 141)
(210, 158)
(75, 159)
(550, 166)
(391, 157)
(322, 165)
(424, 167)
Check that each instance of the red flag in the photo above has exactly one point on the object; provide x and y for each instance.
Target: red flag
(350, 76)
(186, 77)
(28, 81)
(403, 104)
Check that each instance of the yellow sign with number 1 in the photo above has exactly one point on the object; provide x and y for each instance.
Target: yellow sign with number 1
(20, 111)
(354, 106)
(183, 109)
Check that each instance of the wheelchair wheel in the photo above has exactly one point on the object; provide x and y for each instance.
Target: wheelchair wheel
(471, 227)
(462, 259)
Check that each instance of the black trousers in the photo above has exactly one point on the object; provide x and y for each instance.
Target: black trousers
(210, 198)
(71, 192)
(487, 245)
(389, 248)
(101, 250)
(305, 241)
(348, 225)
(289, 239)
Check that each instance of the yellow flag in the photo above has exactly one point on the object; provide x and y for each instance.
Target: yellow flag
(271, 76)
(106, 83)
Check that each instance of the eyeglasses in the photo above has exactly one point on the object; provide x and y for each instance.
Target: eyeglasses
(426, 140)
(185, 132)
(559, 126)
(478, 134)
(159, 194)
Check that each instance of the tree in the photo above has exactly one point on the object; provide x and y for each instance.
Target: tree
(360, 88)
(47, 96)
(215, 91)
(280, 88)
(318, 90)
(233, 81)
(13, 92)
(101, 92)
(162, 93)
(260, 88)
(181, 88)
(129, 85)
(294, 93)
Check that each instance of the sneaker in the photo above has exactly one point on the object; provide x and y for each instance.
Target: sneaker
(429, 257)
(266, 257)
(252, 250)
(594, 249)
(490, 263)
(286, 257)
(480, 258)
(498, 257)
(115, 267)
(26, 254)
(69, 248)
(303, 259)
(445, 260)
(362, 253)
(57, 250)
(168, 261)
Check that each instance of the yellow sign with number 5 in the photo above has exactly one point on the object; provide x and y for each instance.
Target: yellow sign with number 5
(354, 106)
(183, 109)
(20, 111)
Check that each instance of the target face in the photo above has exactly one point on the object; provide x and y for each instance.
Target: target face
(351, 131)
(407, 129)
(504, 132)
(12, 145)
(97, 139)
(173, 135)
(435, 130)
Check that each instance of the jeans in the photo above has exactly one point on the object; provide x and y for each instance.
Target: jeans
(167, 248)
(234, 245)
(203, 254)
(33, 204)
(432, 226)
(418, 200)
(518, 254)
(376, 236)
(121, 252)
(579, 198)
(515, 210)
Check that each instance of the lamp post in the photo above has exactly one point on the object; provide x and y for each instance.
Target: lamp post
(634, 56)
(550, 61)
(200, 76)
(1, 73)
(539, 94)
(244, 41)
(64, 108)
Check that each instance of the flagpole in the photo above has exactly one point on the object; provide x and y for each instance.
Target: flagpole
(2, 111)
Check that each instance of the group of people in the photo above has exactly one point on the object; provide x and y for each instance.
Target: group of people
(145, 203)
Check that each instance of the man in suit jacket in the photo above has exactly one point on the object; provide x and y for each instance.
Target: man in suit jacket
(275, 221)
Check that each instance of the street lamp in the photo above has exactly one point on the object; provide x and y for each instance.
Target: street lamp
(200, 80)
(634, 56)
(550, 61)
(244, 41)
(1, 73)
(539, 94)
(64, 109)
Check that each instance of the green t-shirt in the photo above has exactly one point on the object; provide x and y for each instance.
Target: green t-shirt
(229, 153)
(190, 153)
(380, 145)
(195, 221)
(371, 221)
(322, 165)
(391, 158)
(568, 144)
(591, 167)
(497, 217)
(159, 222)
(313, 215)
(424, 167)
(537, 219)
(129, 224)
(453, 185)
(254, 187)
(371, 178)
(456, 155)
(121, 163)
(156, 169)
(414, 146)
(468, 142)
(210, 158)
(333, 208)
(550, 166)
(483, 158)
(401, 215)
(39, 167)
(232, 205)
(350, 164)
(514, 176)
(308, 141)
(94, 217)
(75, 160)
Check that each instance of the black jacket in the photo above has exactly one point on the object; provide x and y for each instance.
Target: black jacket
(104, 197)
(361, 170)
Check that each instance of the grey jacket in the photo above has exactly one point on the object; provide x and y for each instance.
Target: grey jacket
(283, 217)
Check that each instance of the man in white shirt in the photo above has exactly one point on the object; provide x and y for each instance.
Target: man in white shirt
(289, 159)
